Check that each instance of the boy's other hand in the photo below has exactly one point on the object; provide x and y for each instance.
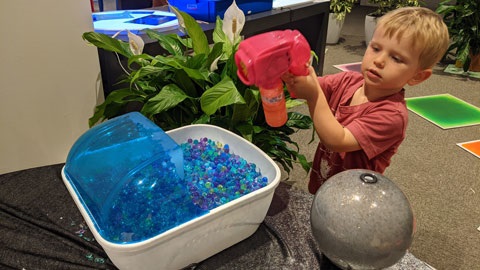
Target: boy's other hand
(303, 87)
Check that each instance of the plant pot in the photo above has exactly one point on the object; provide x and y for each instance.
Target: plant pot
(334, 29)
(474, 63)
(370, 24)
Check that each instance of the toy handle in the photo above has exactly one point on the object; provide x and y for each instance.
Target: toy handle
(299, 55)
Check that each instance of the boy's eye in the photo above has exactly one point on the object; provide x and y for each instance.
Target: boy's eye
(397, 59)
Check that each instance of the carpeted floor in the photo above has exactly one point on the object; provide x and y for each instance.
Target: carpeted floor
(441, 180)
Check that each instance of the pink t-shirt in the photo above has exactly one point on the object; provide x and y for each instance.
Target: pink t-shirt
(378, 126)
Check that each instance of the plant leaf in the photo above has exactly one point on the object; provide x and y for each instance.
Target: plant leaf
(244, 112)
(218, 35)
(169, 97)
(196, 74)
(204, 119)
(299, 120)
(246, 131)
(185, 83)
(217, 50)
(145, 71)
(222, 94)
(304, 163)
(290, 103)
(168, 42)
(195, 32)
(111, 106)
(108, 43)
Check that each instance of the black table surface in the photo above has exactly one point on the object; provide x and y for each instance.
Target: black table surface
(41, 228)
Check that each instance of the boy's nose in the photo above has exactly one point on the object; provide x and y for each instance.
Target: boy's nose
(379, 61)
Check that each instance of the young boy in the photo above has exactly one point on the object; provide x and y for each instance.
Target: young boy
(361, 118)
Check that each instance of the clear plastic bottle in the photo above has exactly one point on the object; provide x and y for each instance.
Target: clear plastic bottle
(274, 106)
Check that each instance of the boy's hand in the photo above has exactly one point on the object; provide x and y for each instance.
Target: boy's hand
(304, 87)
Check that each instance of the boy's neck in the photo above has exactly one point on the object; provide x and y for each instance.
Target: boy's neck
(363, 96)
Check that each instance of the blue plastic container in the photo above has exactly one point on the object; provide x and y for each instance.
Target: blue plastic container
(207, 10)
(129, 175)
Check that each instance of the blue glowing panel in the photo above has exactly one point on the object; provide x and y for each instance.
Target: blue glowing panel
(111, 22)
(152, 20)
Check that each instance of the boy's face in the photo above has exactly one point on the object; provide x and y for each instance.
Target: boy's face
(389, 64)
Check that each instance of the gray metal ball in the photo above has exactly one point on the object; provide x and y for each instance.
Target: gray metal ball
(362, 220)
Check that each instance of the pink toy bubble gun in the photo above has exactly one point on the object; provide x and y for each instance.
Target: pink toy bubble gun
(262, 60)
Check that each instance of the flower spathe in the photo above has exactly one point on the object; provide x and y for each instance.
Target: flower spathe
(136, 43)
(233, 22)
(181, 22)
(214, 65)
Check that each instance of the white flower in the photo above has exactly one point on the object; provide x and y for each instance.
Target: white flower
(214, 66)
(136, 43)
(233, 22)
(181, 22)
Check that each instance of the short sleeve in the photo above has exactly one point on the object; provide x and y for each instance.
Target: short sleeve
(380, 129)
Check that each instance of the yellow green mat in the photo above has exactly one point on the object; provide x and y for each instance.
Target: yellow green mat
(445, 110)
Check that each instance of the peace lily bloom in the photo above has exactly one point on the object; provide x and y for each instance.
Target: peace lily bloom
(181, 22)
(233, 22)
(214, 65)
(136, 43)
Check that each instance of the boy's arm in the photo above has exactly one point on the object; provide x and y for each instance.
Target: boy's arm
(331, 133)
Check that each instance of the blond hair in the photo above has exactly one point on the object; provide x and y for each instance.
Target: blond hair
(425, 28)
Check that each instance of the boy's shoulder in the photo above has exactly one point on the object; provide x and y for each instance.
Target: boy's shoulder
(342, 79)
(352, 74)
(345, 75)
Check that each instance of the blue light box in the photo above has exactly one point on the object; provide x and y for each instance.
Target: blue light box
(111, 22)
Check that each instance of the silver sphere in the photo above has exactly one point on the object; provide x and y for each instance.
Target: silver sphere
(361, 220)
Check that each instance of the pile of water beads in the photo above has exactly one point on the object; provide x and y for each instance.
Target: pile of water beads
(157, 200)
(215, 176)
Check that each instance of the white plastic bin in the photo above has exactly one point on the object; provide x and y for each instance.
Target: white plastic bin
(204, 236)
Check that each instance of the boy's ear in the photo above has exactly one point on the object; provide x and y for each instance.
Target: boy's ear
(421, 76)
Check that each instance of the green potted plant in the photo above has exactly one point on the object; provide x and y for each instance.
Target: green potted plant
(196, 82)
(382, 7)
(338, 10)
(462, 18)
